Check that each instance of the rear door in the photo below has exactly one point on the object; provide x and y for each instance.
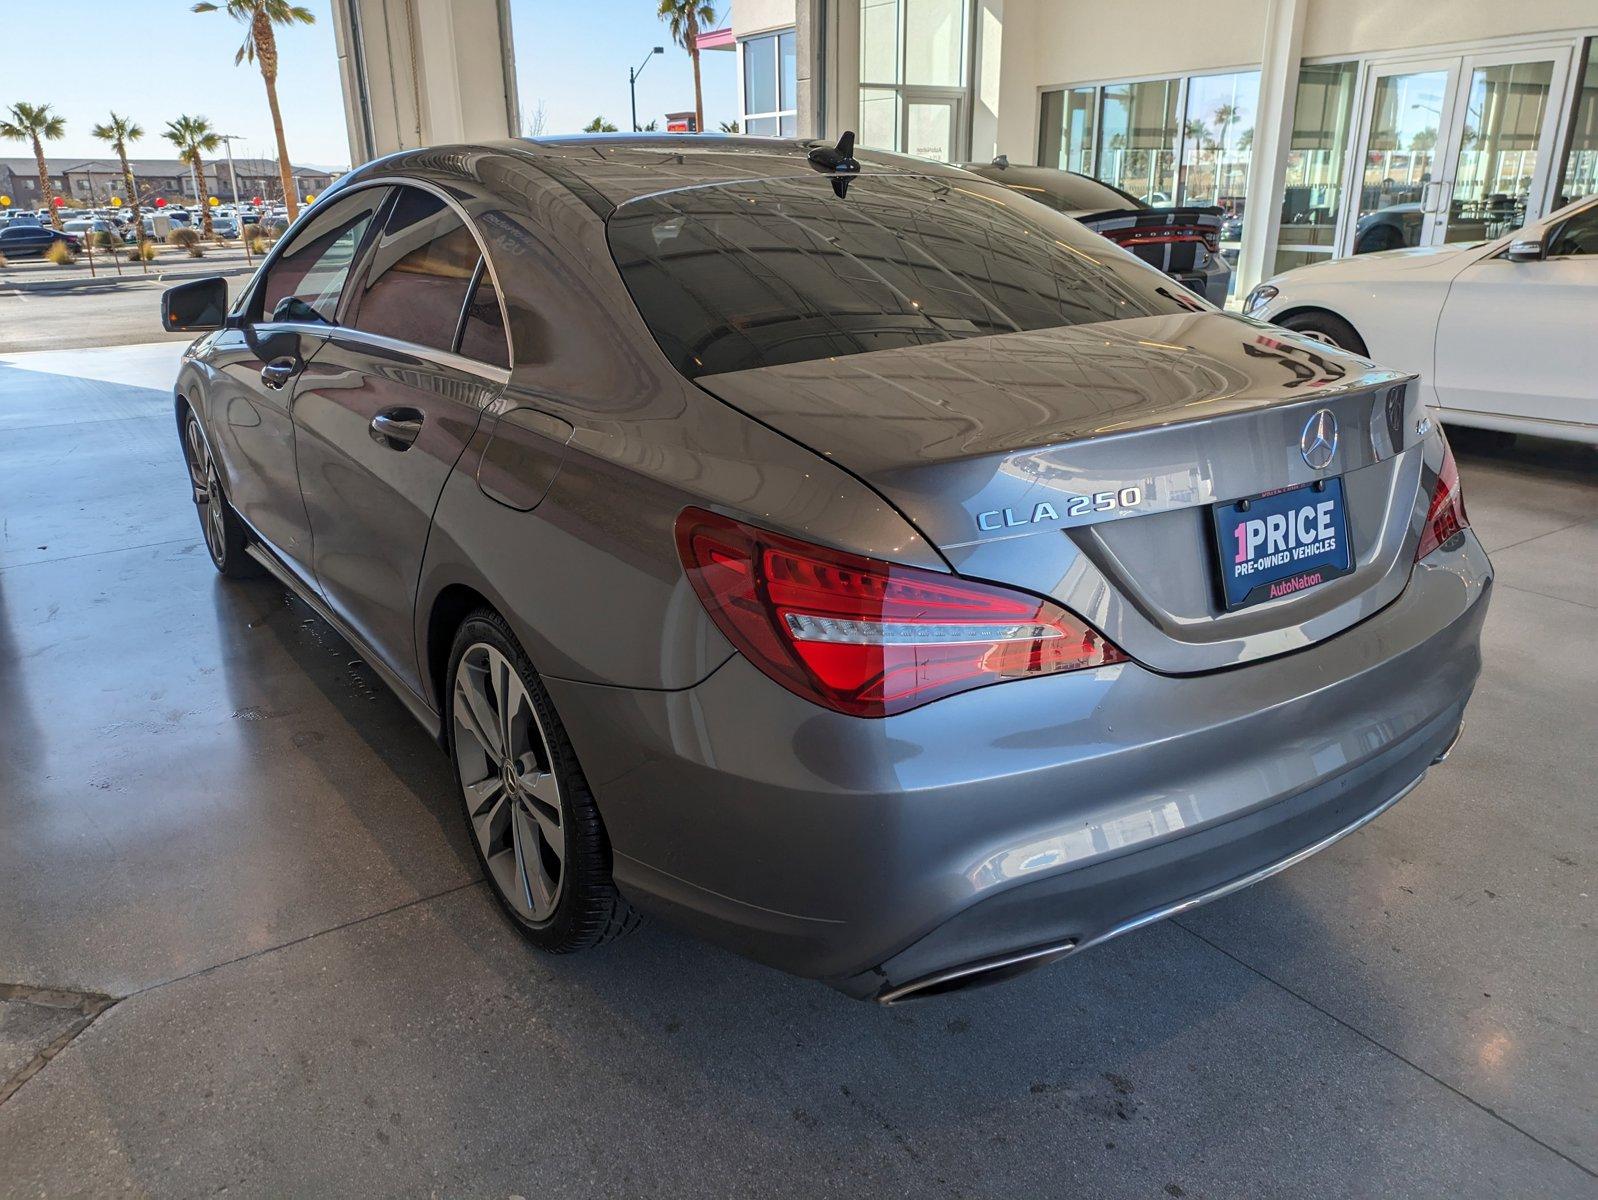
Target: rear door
(385, 408)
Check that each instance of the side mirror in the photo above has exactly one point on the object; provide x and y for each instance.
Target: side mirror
(196, 306)
(1529, 250)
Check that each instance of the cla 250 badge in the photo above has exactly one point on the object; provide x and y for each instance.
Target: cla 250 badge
(996, 519)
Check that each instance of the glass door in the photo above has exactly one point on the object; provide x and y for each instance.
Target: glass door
(1503, 144)
(1405, 133)
(1454, 150)
(931, 125)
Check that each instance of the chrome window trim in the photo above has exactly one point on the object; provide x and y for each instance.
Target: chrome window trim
(440, 358)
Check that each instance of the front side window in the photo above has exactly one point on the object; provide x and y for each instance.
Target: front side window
(420, 270)
(1577, 236)
(305, 281)
(740, 276)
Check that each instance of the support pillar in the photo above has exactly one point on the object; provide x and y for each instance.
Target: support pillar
(1273, 135)
(425, 72)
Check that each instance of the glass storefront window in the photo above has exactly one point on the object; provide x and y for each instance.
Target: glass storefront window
(1217, 147)
(1312, 198)
(1580, 175)
(770, 84)
(913, 69)
(1137, 139)
(1066, 140)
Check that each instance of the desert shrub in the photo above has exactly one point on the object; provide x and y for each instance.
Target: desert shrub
(259, 245)
(251, 231)
(197, 250)
(142, 251)
(2, 260)
(100, 241)
(61, 254)
(183, 236)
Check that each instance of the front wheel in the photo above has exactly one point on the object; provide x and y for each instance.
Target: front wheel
(532, 819)
(225, 535)
(1326, 327)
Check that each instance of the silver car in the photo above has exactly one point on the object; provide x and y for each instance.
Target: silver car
(853, 560)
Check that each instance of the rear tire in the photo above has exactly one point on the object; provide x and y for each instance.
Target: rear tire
(1326, 327)
(529, 812)
(225, 534)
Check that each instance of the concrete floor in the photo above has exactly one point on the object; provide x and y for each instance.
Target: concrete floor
(212, 812)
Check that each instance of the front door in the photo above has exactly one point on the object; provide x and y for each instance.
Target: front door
(289, 314)
(1454, 149)
(1545, 307)
(383, 412)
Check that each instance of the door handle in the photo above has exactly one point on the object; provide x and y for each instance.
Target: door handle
(279, 371)
(397, 428)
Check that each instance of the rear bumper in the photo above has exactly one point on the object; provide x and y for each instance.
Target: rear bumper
(1030, 818)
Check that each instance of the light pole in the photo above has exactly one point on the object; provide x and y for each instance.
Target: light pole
(632, 80)
(227, 140)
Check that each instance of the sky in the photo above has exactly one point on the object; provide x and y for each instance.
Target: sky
(571, 57)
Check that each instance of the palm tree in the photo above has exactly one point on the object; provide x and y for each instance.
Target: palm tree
(1225, 115)
(36, 123)
(260, 46)
(192, 135)
(685, 18)
(119, 131)
(599, 125)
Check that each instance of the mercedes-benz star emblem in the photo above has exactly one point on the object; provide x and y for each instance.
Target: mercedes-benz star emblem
(1318, 442)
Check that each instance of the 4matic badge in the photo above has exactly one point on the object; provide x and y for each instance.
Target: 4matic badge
(994, 520)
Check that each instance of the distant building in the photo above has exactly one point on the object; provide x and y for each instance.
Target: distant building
(94, 181)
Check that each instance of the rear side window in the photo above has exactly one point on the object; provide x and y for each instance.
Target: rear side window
(315, 266)
(483, 325)
(737, 276)
(421, 268)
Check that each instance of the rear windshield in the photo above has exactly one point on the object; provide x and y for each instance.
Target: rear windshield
(1068, 192)
(757, 274)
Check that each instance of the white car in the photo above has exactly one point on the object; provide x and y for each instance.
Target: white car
(1504, 334)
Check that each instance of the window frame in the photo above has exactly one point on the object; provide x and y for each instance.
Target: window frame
(774, 36)
(904, 93)
(356, 278)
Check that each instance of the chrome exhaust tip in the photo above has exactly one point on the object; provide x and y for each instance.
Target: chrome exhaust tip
(1443, 754)
(979, 973)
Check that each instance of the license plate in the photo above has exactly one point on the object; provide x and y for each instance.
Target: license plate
(1280, 543)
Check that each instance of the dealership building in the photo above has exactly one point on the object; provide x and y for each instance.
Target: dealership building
(1306, 120)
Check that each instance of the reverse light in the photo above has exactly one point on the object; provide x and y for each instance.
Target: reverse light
(1445, 516)
(866, 637)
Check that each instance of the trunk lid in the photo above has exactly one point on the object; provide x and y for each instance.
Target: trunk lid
(1084, 462)
(1178, 241)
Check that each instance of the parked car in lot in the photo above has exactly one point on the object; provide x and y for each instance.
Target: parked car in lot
(1184, 242)
(1500, 332)
(18, 240)
(845, 557)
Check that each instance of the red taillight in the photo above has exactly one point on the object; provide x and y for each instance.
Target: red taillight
(1446, 515)
(867, 637)
(1165, 235)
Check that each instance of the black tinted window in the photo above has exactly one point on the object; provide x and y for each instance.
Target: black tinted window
(483, 334)
(315, 266)
(752, 275)
(1578, 235)
(420, 269)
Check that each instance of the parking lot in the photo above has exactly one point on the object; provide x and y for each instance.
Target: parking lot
(243, 943)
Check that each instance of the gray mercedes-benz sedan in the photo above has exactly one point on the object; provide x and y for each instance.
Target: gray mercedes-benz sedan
(846, 557)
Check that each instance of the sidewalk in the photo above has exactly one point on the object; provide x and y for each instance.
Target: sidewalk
(37, 275)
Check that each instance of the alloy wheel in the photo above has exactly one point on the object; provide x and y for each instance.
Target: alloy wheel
(506, 775)
(207, 491)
